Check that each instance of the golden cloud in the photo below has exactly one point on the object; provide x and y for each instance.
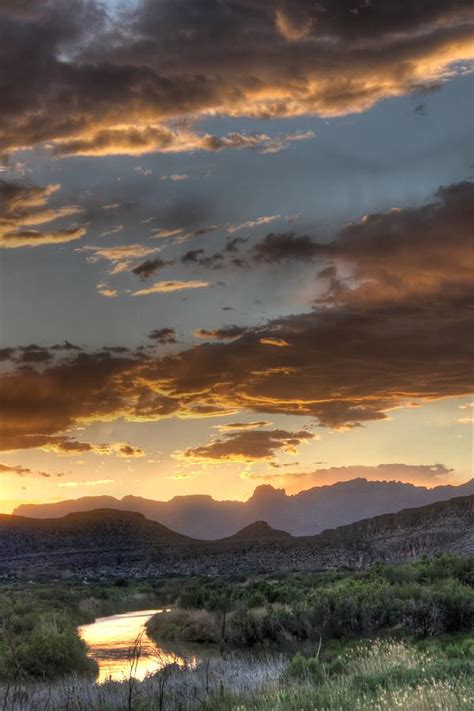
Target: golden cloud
(165, 287)
(74, 84)
(381, 341)
(23, 208)
(247, 445)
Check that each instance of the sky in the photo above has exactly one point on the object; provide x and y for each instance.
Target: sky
(236, 245)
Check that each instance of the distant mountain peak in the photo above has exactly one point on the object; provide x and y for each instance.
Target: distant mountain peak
(267, 492)
(258, 530)
(305, 513)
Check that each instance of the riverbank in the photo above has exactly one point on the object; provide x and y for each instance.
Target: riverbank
(367, 676)
(424, 599)
(39, 624)
(380, 639)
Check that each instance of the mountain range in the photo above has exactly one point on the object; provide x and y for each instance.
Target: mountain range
(304, 514)
(109, 543)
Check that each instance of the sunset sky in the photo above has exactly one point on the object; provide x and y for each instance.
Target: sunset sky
(236, 245)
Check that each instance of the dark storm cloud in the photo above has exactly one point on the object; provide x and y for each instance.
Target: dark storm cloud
(396, 325)
(74, 79)
(247, 446)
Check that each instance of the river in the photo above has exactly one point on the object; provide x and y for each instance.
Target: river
(110, 641)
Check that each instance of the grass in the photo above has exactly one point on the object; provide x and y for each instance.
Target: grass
(394, 637)
(378, 675)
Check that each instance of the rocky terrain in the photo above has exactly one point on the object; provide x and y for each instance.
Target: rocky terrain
(109, 543)
(303, 514)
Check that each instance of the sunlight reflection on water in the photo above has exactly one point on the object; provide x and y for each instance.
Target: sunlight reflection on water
(111, 640)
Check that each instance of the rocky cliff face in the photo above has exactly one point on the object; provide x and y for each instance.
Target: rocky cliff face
(111, 543)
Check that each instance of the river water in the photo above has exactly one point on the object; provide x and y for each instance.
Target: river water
(110, 641)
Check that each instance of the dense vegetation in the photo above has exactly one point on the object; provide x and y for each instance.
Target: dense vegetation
(391, 637)
(428, 598)
(38, 624)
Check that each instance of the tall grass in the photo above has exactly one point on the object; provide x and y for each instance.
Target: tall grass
(384, 675)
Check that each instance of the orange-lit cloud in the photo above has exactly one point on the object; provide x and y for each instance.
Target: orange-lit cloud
(71, 447)
(247, 445)
(121, 257)
(416, 474)
(381, 340)
(24, 207)
(228, 333)
(85, 87)
(165, 287)
(232, 426)
(278, 342)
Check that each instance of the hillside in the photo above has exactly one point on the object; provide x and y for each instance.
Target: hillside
(111, 543)
(98, 533)
(258, 531)
(303, 514)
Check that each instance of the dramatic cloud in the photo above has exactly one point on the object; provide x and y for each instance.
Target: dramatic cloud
(165, 287)
(247, 446)
(137, 140)
(396, 327)
(24, 207)
(416, 254)
(229, 333)
(37, 406)
(74, 80)
(425, 252)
